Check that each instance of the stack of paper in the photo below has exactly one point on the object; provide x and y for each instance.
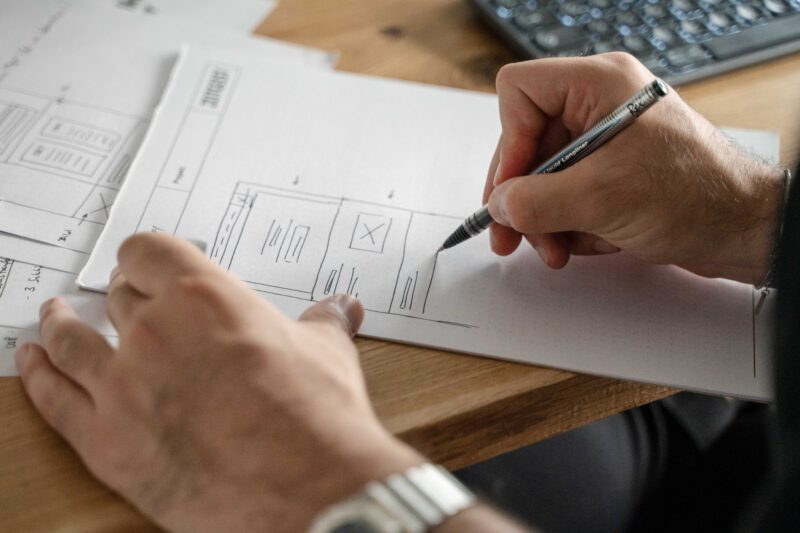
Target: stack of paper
(79, 82)
(304, 182)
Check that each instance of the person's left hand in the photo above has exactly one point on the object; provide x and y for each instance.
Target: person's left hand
(216, 413)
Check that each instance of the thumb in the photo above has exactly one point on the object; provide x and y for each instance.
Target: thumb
(340, 310)
(543, 203)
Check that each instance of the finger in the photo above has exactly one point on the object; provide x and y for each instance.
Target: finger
(553, 248)
(588, 244)
(122, 302)
(340, 310)
(568, 87)
(63, 404)
(547, 203)
(74, 348)
(489, 185)
(523, 124)
(152, 261)
(503, 240)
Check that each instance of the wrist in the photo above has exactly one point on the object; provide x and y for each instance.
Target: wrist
(366, 457)
(746, 253)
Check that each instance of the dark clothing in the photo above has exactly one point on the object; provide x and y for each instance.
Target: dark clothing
(781, 505)
(689, 463)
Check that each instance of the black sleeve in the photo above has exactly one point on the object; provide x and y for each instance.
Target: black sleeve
(781, 509)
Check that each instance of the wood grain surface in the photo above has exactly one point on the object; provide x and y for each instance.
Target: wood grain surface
(456, 409)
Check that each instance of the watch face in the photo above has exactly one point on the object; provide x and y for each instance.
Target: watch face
(355, 526)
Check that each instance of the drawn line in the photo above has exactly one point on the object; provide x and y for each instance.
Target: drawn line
(267, 237)
(433, 272)
(399, 270)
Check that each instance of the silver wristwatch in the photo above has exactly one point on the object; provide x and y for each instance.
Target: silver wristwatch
(412, 502)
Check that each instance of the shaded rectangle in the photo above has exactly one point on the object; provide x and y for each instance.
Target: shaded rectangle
(14, 120)
(83, 134)
(65, 158)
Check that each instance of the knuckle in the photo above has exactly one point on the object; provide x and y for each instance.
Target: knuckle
(61, 339)
(194, 287)
(506, 75)
(521, 213)
(133, 245)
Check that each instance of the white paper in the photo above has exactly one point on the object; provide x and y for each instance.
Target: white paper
(306, 183)
(23, 289)
(27, 251)
(78, 84)
(234, 15)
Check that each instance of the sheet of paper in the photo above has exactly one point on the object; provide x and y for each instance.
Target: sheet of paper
(763, 144)
(234, 15)
(23, 289)
(78, 84)
(27, 251)
(306, 183)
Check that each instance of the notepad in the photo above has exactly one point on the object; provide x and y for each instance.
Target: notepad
(306, 184)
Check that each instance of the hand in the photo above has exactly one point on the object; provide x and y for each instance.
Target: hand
(669, 189)
(216, 413)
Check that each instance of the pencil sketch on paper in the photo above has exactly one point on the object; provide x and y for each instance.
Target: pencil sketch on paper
(76, 152)
(309, 246)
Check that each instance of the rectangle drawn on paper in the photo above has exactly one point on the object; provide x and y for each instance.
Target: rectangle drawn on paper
(55, 156)
(86, 135)
(14, 121)
(370, 232)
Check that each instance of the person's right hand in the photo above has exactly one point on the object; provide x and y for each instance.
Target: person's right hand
(670, 189)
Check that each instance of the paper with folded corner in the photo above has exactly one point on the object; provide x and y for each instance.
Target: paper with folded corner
(307, 183)
(78, 83)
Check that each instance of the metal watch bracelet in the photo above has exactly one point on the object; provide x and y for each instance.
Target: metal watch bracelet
(411, 502)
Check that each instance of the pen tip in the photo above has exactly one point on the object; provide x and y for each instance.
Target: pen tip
(439, 250)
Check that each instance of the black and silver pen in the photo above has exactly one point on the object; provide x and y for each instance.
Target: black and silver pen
(584, 145)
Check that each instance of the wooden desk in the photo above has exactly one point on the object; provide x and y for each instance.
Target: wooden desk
(456, 409)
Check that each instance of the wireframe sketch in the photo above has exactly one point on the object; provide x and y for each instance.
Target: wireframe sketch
(310, 246)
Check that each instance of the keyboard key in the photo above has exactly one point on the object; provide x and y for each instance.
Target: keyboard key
(748, 13)
(627, 18)
(559, 37)
(684, 6)
(720, 20)
(604, 47)
(693, 27)
(636, 44)
(652, 62)
(599, 27)
(528, 20)
(602, 4)
(574, 9)
(508, 4)
(686, 55)
(656, 11)
(666, 35)
(776, 7)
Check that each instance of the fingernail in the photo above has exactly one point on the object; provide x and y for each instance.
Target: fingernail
(497, 206)
(603, 247)
(114, 274)
(21, 355)
(496, 178)
(350, 308)
(542, 253)
(45, 306)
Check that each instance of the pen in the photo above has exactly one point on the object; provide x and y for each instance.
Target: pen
(584, 145)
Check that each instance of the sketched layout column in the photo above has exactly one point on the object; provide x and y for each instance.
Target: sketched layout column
(189, 149)
(364, 254)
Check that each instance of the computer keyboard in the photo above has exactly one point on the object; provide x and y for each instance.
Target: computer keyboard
(679, 40)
